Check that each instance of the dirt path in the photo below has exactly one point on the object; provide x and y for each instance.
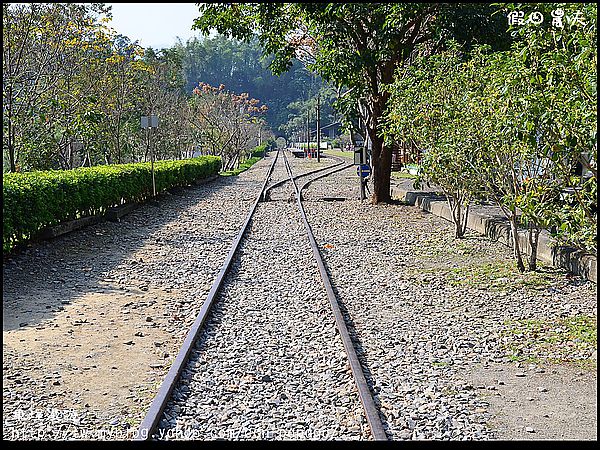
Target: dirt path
(93, 319)
(531, 402)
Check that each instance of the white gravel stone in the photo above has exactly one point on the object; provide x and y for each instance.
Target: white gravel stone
(274, 354)
(419, 333)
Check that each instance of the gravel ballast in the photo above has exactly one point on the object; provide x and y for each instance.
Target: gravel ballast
(269, 363)
(111, 305)
(421, 334)
(93, 319)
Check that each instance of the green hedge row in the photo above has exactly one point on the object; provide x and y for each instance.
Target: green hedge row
(259, 150)
(35, 200)
(243, 167)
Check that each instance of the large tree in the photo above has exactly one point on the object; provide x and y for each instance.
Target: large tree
(44, 47)
(353, 45)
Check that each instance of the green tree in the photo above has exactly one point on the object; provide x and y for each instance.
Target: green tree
(241, 67)
(561, 60)
(43, 47)
(429, 106)
(227, 123)
(354, 45)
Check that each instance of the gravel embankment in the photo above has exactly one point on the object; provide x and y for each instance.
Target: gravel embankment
(93, 319)
(269, 363)
(421, 335)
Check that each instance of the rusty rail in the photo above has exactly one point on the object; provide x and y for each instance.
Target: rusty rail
(364, 392)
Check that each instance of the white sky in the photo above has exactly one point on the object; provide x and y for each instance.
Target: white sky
(155, 25)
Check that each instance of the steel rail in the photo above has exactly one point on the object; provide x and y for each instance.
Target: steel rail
(154, 413)
(279, 183)
(149, 423)
(364, 392)
(336, 169)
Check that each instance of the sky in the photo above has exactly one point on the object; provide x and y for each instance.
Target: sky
(155, 25)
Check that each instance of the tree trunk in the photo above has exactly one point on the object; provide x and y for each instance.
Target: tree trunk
(11, 133)
(515, 240)
(11, 147)
(465, 219)
(533, 236)
(381, 155)
(119, 140)
(455, 204)
(382, 169)
(70, 160)
(11, 156)
(107, 157)
(352, 140)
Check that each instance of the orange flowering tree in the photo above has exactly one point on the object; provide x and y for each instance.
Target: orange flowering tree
(226, 124)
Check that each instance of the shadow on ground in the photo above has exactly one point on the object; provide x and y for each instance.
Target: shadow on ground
(39, 280)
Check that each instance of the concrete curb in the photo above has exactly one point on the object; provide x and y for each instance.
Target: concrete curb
(497, 228)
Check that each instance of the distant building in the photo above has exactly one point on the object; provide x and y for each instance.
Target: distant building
(332, 130)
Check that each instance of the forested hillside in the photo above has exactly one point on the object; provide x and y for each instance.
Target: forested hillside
(240, 67)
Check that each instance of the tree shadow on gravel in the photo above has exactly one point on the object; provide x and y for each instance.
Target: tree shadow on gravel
(396, 202)
(39, 280)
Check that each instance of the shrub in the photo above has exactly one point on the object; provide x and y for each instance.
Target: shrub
(255, 156)
(38, 199)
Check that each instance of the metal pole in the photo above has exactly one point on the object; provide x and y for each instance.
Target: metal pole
(305, 140)
(308, 132)
(152, 163)
(318, 128)
(362, 184)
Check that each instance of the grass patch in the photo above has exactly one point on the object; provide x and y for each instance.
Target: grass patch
(440, 364)
(570, 340)
(402, 175)
(466, 248)
(347, 155)
(244, 166)
(500, 276)
(446, 245)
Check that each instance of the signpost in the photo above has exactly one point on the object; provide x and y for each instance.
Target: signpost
(363, 170)
(360, 155)
(149, 122)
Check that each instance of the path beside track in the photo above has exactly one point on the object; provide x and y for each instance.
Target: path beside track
(77, 305)
(432, 328)
(111, 305)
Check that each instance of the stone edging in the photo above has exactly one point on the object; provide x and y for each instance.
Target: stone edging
(497, 228)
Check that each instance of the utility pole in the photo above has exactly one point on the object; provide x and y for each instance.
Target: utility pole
(308, 132)
(319, 128)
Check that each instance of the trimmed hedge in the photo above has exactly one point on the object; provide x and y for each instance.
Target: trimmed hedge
(38, 199)
(243, 167)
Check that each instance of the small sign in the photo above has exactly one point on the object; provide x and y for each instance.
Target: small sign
(363, 170)
(358, 156)
(149, 122)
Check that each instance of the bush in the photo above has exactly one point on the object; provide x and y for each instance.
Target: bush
(38, 199)
(268, 146)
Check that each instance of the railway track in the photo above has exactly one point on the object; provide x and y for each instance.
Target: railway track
(278, 318)
(340, 164)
